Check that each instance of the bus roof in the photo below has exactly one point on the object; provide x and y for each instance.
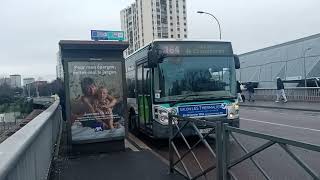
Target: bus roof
(189, 40)
(178, 40)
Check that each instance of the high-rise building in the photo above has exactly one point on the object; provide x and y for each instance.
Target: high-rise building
(15, 81)
(146, 20)
(4, 80)
(28, 81)
(59, 67)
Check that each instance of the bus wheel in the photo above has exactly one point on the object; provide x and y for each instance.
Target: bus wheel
(132, 123)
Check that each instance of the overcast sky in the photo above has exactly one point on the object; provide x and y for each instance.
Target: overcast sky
(31, 30)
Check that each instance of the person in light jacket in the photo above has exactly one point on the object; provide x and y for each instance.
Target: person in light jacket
(239, 91)
(280, 91)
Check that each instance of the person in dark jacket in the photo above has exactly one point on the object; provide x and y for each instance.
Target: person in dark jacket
(239, 91)
(280, 91)
(250, 89)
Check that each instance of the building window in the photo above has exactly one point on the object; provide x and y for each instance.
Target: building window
(185, 30)
(178, 23)
(171, 17)
(185, 24)
(185, 36)
(171, 24)
(159, 34)
(178, 29)
(178, 35)
(171, 36)
(171, 30)
(177, 17)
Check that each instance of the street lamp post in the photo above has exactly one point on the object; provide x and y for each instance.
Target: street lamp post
(202, 12)
(304, 66)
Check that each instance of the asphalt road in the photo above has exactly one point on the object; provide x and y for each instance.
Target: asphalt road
(296, 125)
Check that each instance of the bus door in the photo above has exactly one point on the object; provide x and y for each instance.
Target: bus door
(144, 96)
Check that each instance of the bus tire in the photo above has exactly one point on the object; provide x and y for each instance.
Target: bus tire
(132, 123)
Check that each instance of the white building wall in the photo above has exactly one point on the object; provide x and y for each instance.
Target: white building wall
(59, 67)
(287, 61)
(28, 81)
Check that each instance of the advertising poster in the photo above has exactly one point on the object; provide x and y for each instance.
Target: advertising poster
(96, 100)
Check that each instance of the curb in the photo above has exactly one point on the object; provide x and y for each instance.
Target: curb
(275, 107)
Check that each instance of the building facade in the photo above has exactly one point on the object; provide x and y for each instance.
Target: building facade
(292, 61)
(146, 20)
(15, 81)
(27, 81)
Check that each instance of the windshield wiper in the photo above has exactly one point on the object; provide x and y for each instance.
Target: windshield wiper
(182, 99)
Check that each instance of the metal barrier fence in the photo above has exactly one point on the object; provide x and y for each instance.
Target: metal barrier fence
(27, 154)
(223, 164)
(305, 94)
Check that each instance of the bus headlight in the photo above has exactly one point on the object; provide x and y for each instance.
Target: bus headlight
(163, 116)
(233, 111)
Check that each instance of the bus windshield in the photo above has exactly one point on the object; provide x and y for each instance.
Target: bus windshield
(189, 78)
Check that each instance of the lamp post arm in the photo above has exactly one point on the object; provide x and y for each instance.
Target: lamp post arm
(217, 22)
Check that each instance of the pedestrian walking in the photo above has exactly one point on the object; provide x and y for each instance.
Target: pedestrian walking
(239, 91)
(250, 89)
(280, 91)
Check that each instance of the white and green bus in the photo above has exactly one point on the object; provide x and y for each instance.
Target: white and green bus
(195, 79)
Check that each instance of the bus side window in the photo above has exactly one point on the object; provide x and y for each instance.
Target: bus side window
(139, 87)
(147, 82)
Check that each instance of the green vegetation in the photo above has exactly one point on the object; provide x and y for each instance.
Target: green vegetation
(14, 99)
(11, 100)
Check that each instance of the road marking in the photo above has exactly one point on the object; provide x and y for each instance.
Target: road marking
(284, 125)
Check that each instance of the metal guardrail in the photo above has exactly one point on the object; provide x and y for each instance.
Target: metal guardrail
(27, 154)
(223, 132)
(46, 101)
(305, 94)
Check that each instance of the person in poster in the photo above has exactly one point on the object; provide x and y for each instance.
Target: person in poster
(95, 112)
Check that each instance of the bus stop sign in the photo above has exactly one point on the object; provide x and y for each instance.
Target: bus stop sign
(107, 35)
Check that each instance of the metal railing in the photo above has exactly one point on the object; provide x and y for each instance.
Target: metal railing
(304, 94)
(176, 131)
(221, 152)
(27, 154)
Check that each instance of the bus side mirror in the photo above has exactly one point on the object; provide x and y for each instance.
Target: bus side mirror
(154, 58)
(236, 61)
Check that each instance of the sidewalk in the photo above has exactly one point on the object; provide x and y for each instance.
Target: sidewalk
(302, 106)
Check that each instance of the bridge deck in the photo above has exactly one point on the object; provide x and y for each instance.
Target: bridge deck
(142, 165)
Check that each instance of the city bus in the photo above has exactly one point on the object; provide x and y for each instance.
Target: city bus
(195, 79)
